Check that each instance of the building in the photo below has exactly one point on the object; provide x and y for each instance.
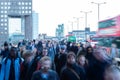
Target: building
(60, 31)
(35, 24)
(15, 9)
(16, 37)
(79, 34)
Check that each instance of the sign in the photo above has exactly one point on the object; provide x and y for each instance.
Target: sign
(72, 39)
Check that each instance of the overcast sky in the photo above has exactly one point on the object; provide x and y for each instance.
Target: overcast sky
(54, 12)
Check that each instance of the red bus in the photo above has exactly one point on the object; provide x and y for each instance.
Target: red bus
(109, 32)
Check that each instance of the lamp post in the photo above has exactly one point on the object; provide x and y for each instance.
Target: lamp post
(98, 5)
(86, 13)
(78, 18)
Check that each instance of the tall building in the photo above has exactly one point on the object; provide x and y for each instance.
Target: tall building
(15, 9)
(60, 31)
(35, 24)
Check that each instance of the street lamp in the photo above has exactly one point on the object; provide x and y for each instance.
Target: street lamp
(86, 13)
(78, 18)
(98, 4)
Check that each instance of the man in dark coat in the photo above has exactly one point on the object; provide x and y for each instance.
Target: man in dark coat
(74, 48)
(60, 59)
(27, 67)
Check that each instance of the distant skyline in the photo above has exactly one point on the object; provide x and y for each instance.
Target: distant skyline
(54, 12)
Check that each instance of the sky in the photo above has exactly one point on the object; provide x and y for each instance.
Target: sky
(55, 12)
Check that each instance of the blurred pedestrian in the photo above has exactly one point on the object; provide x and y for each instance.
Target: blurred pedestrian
(112, 73)
(60, 59)
(10, 69)
(45, 73)
(72, 71)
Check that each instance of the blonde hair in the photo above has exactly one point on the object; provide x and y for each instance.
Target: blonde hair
(27, 53)
(45, 58)
(71, 54)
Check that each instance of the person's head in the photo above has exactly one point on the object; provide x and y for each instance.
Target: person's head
(44, 52)
(89, 50)
(13, 52)
(45, 63)
(28, 56)
(62, 49)
(6, 46)
(112, 73)
(50, 44)
(81, 60)
(22, 47)
(71, 57)
(74, 43)
(88, 44)
(100, 54)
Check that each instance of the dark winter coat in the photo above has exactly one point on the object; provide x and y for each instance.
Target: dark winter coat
(74, 49)
(67, 74)
(5, 53)
(96, 71)
(28, 69)
(60, 61)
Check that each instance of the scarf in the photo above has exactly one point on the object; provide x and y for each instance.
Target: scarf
(5, 69)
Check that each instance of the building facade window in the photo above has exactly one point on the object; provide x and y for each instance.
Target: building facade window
(26, 7)
(1, 7)
(2, 16)
(8, 7)
(5, 7)
(23, 12)
(5, 11)
(1, 20)
(5, 16)
(5, 20)
(23, 3)
(1, 24)
(29, 11)
(26, 3)
(8, 3)
(19, 3)
(23, 7)
(30, 3)
(26, 12)
(5, 3)
(30, 8)
(5, 28)
(2, 3)
(1, 11)
(5, 24)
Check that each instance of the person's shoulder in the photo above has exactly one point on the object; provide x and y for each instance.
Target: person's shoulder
(64, 54)
(37, 72)
(52, 72)
(65, 69)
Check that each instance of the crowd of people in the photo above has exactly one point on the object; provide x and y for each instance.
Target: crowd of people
(52, 60)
